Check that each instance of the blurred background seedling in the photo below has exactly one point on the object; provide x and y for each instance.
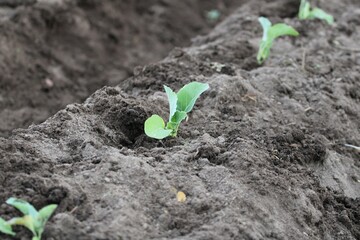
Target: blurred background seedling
(270, 33)
(306, 12)
(213, 15)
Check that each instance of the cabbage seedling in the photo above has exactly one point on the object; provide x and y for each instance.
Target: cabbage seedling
(270, 33)
(180, 105)
(305, 12)
(33, 220)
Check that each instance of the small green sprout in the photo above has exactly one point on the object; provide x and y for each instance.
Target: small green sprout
(305, 12)
(270, 33)
(180, 105)
(33, 220)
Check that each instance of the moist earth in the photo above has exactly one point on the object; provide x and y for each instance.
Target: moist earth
(57, 52)
(262, 155)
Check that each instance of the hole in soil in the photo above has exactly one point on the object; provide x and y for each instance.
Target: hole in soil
(120, 113)
(127, 122)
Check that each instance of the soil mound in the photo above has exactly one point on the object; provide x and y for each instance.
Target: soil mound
(57, 52)
(262, 155)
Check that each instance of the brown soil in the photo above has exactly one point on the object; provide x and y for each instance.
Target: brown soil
(262, 155)
(59, 52)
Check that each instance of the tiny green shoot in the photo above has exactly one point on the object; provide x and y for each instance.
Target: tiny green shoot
(306, 12)
(33, 220)
(270, 33)
(180, 105)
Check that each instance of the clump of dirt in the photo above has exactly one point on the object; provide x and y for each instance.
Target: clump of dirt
(262, 155)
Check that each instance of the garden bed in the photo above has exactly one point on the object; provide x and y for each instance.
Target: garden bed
(57, 52)
(262, 155)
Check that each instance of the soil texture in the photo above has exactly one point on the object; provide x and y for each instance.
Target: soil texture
(57, 52)
(262, 155)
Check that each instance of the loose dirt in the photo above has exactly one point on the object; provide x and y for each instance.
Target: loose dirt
(58, 52)
(262, 155)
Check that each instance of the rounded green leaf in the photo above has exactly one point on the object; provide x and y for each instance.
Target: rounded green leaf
(188, 95)
(281, 29)
(155, 127)
(6, 227)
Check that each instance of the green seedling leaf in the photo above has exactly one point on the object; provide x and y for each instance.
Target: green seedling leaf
(23, 206)
(180, 105)
(46, 212)
(305, 12)
(33, 220)
(270, 33)
(281, 29)
(321, 14)
(27, 221)
(172, 98)
(188, 95)
(266, 25)
(155, 127)
(43, 216)
(178, 117)
(5, 227)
